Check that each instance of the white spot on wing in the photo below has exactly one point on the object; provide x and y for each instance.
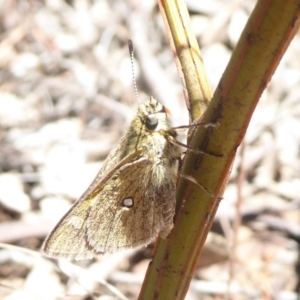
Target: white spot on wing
(128, 202)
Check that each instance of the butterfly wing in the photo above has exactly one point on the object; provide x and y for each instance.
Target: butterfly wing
(131, 219)
(114, 215)
(132, 213)
(68, 239)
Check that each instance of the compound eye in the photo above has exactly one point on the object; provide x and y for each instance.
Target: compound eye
(151, 122)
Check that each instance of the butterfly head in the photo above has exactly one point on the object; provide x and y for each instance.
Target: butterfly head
(154, 115)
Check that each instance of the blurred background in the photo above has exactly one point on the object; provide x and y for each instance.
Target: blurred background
(66, 94)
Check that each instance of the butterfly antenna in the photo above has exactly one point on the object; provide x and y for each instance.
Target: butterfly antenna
(130, 47)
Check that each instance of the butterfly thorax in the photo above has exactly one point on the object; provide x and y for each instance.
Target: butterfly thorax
(152, 135)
